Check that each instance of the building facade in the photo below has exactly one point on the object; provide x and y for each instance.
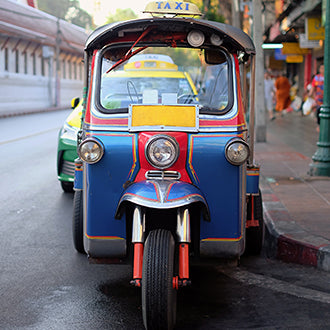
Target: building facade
(40, 59)
(299, 28)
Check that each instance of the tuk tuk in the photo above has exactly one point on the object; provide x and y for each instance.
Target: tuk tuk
(165, 172)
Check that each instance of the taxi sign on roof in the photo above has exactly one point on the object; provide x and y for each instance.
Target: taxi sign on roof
(151, 62)
(173, 8)
(146, 57)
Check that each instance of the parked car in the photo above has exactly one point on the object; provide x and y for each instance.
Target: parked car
(67, 146)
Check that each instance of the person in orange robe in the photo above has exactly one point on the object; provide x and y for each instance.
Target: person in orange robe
(282, 86)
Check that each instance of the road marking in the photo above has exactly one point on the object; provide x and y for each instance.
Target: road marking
(276, 285)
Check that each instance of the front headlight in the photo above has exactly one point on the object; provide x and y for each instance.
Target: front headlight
(69, 132)
(162, 151)
(237, 151)
(90, 150)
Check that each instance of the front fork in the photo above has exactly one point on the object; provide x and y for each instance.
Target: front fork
(182, 237)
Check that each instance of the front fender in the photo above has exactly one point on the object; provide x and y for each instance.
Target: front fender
(162, 194)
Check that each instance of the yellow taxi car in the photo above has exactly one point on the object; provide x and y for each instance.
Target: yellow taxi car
(150, 78)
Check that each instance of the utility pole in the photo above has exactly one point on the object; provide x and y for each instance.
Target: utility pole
(235, 13)
(259, 90)
(321, 158)
(57, 69)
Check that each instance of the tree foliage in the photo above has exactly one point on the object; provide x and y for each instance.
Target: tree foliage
(210, 9)
(68, 10)
(121, 15)
(79, 17)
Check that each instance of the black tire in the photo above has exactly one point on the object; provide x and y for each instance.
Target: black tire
(158, 294)
(67, 186)
(255, 235)
(78, 222)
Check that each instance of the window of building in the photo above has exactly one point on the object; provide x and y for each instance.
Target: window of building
(70, 69)
(64, 70)
(6, 52)
(75, 70)
(43, 67)
(17, 61)
(25, 63)
(34, 64)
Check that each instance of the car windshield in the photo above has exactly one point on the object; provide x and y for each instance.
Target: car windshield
(175, 76)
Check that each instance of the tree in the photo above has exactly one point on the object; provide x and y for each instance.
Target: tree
(79, 17)
(210, 9)
(68, 10)
(121, 15)
(57, 8)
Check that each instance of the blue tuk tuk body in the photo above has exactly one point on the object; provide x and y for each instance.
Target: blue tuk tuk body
(130, 195)
(219, 188)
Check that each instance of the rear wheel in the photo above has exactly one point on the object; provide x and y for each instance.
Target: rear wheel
(255, 235)
(158, 294)
(78, 222)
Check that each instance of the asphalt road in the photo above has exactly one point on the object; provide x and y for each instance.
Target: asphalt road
(45, 284)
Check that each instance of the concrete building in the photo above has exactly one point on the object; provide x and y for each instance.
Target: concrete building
(40, 59)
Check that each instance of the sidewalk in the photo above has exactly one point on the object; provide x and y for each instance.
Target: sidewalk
(296, 205)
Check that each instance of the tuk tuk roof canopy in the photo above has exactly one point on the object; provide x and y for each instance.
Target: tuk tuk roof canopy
(233, 38)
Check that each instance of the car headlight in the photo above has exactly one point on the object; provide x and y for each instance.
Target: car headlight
(237, 151)
(90, 150)
(162, 151)
(69, 132)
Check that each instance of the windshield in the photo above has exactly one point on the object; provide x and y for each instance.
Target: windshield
(164, 76)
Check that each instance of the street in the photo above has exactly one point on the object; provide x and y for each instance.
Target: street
(46, 284)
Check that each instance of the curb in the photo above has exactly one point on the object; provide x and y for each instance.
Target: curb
(288, 241)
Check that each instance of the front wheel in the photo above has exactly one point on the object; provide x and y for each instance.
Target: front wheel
(78, 222)
(158, 294)
(67, 186)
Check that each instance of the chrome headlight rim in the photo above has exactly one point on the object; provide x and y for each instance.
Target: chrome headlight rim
(95, 141)
(195, 38)
(153, 140)
(230, 144)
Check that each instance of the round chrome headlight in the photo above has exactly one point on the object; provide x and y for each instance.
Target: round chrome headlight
(90, 150)
(162, 151)
(195, 38)
(216, 40)
(237, 151)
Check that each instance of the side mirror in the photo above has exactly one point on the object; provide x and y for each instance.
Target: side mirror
(75, 102)
(214, 56)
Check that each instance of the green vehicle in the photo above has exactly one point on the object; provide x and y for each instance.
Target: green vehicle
(67, 147)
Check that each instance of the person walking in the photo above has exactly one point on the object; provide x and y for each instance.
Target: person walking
(269, 94)
(316, 92)
(282, 86)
